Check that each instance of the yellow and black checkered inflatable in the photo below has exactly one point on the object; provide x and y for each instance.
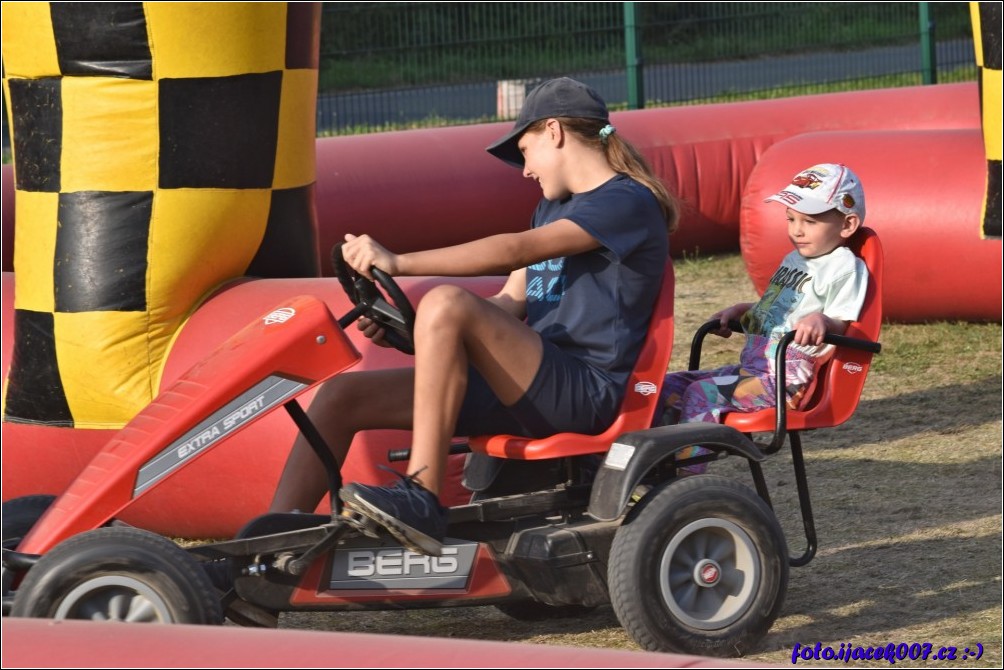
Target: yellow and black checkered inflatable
(986, 18)
(160, 149)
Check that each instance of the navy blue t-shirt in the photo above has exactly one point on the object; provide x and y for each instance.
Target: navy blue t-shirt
(596, 306)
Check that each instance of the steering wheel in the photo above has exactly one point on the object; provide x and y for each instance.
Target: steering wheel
(396, 315)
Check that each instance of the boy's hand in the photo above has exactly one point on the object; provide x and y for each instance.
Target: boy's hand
(811, 329)
(733, 313)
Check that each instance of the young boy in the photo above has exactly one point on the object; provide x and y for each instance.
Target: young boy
(818, 289)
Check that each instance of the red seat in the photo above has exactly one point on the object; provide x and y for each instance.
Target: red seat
(636, 412)
(841, 379)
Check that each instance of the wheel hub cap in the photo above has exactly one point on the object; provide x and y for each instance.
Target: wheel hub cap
(707, 573)
(710, 572)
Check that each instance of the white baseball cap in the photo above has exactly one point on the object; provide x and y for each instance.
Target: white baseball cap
(824, 187)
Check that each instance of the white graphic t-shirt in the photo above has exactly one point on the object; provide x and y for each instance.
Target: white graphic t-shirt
(833, 284)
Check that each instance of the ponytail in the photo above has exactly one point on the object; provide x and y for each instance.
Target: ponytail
(625, 159)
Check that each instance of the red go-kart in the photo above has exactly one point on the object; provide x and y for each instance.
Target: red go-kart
(692, 564)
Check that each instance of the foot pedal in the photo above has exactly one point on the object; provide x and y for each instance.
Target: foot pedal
(243, 613)
(361, 524)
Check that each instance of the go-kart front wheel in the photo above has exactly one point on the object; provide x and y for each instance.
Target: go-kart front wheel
(700, 566)
(118, 574)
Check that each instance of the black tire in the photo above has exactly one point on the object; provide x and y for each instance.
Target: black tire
(118, 574)
(533, 610)
(20, 515)
(700, 566)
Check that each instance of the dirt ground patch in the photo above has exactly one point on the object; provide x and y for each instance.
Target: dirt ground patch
(906, 496)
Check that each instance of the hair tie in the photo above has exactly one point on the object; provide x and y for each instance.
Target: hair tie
(605, 132)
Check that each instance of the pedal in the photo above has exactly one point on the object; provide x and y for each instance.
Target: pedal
(246, 614)
(360, 523)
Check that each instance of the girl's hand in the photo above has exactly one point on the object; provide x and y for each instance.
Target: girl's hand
(373, 331)
(363, 252)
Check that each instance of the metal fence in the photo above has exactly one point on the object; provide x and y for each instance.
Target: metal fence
(395, 65)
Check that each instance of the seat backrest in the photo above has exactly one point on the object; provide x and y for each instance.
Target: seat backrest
(638, 407)
(841, 379)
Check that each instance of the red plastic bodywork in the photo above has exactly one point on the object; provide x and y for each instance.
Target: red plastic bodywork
(308, 347)
(218, 494)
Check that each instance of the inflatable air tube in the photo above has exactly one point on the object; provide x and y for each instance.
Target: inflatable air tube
(160, 150)
(216, 494)
(986, 20)
(418, 189)
(924, 196)
(44, 643)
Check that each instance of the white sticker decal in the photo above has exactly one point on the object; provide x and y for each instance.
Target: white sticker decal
(281, 315)
(619, 456)
(645, 388)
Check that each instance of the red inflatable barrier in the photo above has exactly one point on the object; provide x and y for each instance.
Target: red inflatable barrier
(421, 188)
(417, 189)
(43, 643)
(923, 196)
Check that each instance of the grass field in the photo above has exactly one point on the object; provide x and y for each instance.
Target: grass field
(906, 496)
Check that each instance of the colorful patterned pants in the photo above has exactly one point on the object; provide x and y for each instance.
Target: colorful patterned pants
(697, 396)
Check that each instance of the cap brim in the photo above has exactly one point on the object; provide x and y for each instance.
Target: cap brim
(507, 148)
(803, 206)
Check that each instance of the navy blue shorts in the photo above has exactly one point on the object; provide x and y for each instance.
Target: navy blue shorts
(565, 396)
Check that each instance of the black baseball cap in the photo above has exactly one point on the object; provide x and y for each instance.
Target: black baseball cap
(553, 98)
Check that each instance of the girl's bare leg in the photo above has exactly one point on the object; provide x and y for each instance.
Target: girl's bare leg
(344, 405)
(455, 328)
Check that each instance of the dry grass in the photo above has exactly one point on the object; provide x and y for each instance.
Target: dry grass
(907, 501)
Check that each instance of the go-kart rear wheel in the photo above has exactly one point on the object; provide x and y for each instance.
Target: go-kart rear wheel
(118, 574)
(533, 610)
(700, 566)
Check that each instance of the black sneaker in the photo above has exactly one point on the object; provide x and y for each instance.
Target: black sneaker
(411, 513)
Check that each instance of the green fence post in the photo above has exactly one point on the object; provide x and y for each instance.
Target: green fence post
(632, 50)
(928, 57)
